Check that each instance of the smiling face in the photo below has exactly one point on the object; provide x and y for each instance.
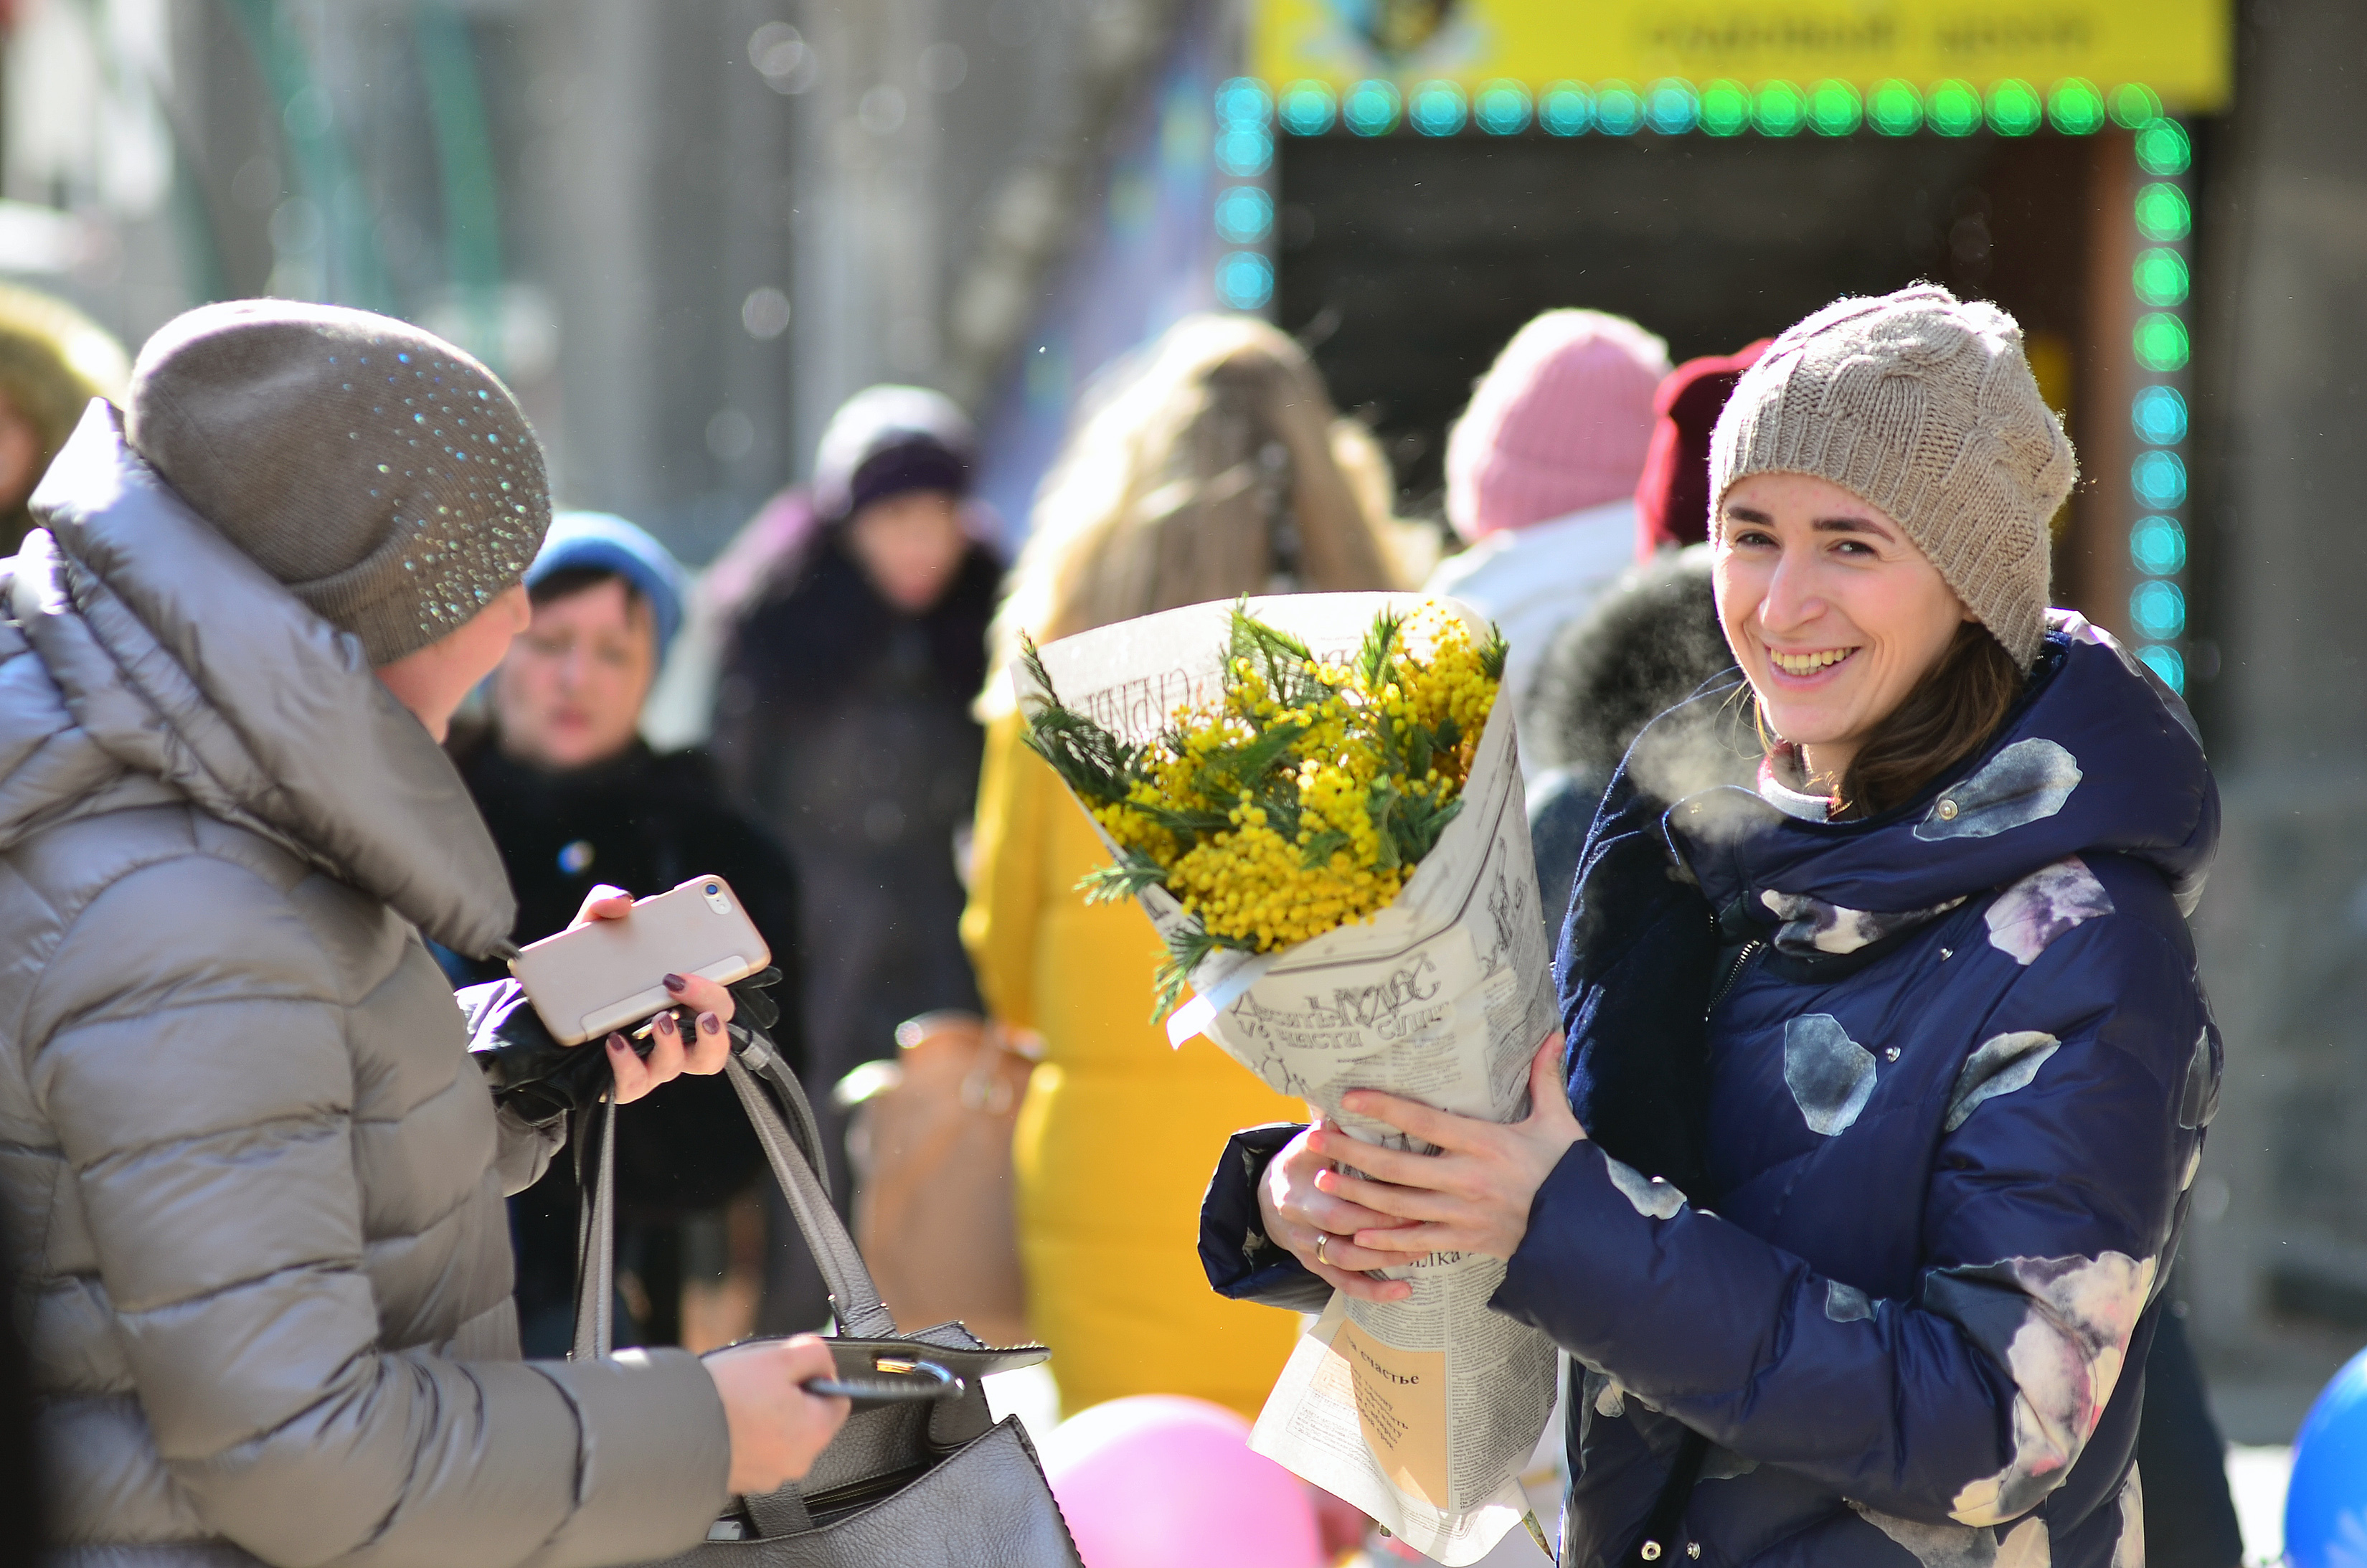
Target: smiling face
(569, 693)
(1832, 611)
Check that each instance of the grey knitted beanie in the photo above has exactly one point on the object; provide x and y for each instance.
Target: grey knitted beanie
(387, 478)
(1924, 406)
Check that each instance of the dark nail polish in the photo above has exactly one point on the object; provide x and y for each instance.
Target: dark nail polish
(709, 1024)
(616, 1042)
(675, 984)
(665, 1024)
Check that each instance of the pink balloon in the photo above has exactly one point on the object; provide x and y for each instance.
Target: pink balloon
(1159, 1481)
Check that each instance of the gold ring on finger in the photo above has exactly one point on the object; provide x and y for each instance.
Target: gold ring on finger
(1321, 1243)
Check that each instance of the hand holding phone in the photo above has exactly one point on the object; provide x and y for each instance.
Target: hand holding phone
(609, 973)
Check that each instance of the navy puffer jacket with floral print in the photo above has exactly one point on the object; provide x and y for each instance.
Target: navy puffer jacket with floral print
(1893, 1124)
(1958, 1073)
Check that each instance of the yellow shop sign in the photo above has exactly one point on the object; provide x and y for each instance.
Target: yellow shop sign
(2178, 48)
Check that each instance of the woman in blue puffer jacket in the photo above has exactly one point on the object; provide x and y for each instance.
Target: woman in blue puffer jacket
(1887, 1070)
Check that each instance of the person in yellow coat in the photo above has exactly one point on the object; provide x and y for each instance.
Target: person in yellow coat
(1217, 469)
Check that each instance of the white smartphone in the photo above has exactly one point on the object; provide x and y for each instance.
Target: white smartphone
(605, 974)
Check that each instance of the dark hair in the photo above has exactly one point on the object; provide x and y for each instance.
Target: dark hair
(1956, 707)
(570, 581)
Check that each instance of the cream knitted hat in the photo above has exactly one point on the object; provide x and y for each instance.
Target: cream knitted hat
(1922, 405)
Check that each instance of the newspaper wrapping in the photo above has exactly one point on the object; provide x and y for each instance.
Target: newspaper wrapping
(1421, 1412)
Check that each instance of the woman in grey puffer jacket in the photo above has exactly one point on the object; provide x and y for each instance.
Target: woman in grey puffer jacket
(255, 1177)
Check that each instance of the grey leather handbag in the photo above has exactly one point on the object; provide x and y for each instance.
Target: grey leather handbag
(921, 1475)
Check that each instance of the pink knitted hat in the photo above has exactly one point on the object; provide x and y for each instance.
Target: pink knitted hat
(1560, 423)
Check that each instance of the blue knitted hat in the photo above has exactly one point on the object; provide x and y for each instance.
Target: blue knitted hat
(602, 542)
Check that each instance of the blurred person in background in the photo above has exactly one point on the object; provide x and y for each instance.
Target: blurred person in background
(259, 1175)
(1541, 474)
(855, 643)
(1217, 469)
(577, 800)
(1648, 645)
(53, 360)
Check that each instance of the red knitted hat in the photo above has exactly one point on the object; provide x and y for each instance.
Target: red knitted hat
(1672, 498)
(1560, 423)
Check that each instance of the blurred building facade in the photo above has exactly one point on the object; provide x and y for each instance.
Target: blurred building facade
(685, 229)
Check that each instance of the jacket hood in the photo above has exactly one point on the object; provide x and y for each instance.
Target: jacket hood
(2098, 757)
(146, 658)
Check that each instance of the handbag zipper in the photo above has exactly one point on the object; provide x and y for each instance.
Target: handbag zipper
(1734, 972)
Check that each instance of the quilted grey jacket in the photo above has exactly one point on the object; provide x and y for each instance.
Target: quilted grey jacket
(253, 1183)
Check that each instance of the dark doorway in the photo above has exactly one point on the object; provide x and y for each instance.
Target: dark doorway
(1407, 262)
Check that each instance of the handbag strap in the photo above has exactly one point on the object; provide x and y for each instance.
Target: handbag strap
(792, 1147)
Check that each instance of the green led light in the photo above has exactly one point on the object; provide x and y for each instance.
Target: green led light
(2163, 148)
(2159, 276)
(2013, 107)
(2157, 545)
(1500, 108)
(1894, 107)
(1306, 108)
(1618, 109)
(1671, 106)
(2160, 341)
(2162, 212)
(2167, 663)
(1725, 107)
(1371, 107)
(1833, 108)
(1436, 108)
(1952, 107)
(2075, 107)
(1780, 110)
(1565, 109)
(2133, 104)
(1242, 100)
(2158, 415)
(2157, 609)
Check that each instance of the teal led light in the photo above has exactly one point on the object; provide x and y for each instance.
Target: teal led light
(2013, 107)
(1618, 109)
(2157, 545)
(1371, 107)
(1952, 107)
(1671, 106)
(1565, 109)
(2163, 212)
(1436, 108)
(2159, 276)
(1242, 100)
(1500, 108)
(1834, 109)
(1725, 107)
(2075, 107)
(2158, 479)
(2167, 663)
(1244, 150)
(2163, 148)
(1782, 110)
(1306, 108)
(1245, 281)
(2158, 416)
(2158, 610)
(1244, 215)
(2160, 341)
(1894, 107)
(2133, 104)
